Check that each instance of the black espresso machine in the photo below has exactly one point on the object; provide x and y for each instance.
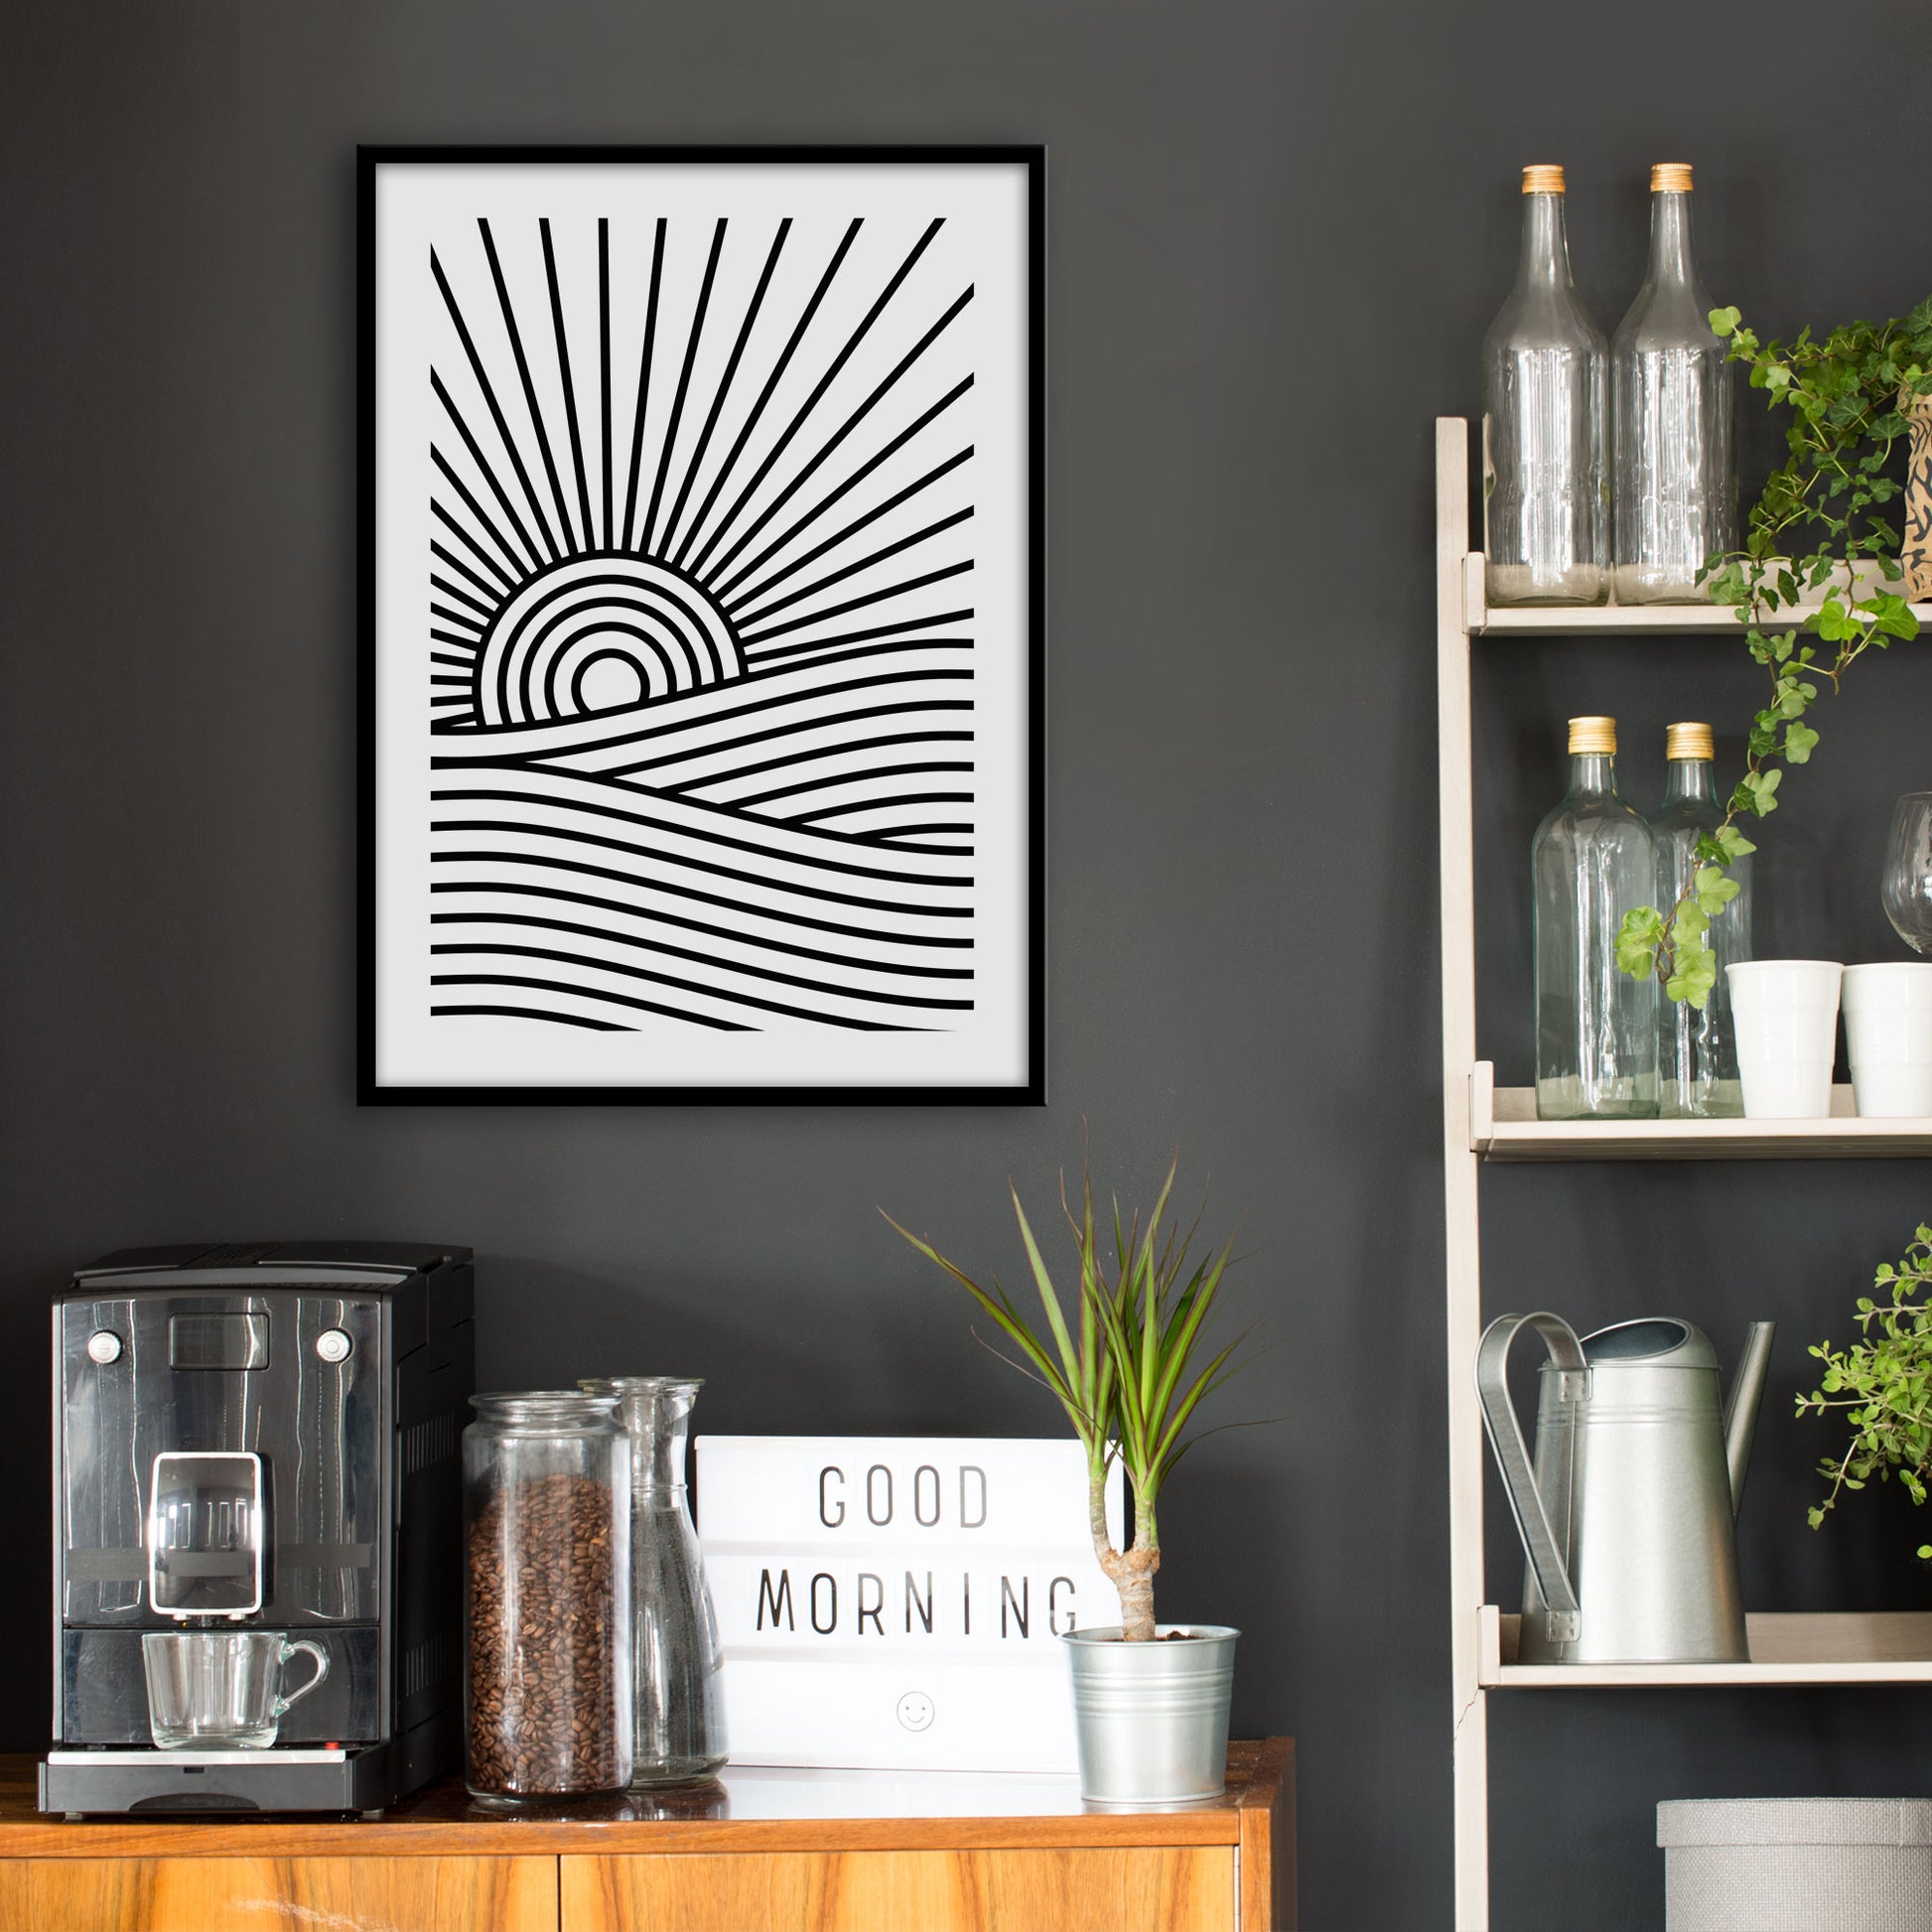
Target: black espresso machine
(261, 1438)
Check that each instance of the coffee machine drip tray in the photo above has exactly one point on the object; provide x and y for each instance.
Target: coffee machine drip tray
(292, 1779)
(280, 1754)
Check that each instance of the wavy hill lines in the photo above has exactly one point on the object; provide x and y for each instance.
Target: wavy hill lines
(715, 915)
(859, 749)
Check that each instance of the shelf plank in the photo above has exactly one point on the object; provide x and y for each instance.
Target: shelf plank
(1485, 619)
(1503, 1127)
(1633, 621)
(1854, 1647)
(1604, 619)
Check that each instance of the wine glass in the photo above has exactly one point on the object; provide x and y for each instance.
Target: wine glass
(1908, 871)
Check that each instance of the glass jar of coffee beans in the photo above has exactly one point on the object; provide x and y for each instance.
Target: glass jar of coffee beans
(546, 1520)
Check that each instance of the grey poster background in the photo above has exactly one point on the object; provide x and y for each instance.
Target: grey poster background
(1277, 234)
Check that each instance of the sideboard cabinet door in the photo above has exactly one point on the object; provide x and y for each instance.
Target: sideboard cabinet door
(1130, 1888)
(458, 1894)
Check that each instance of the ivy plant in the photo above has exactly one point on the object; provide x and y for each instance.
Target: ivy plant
(1819, 526)
(1883, 1384)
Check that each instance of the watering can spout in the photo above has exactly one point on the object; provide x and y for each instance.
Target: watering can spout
(1746, 1396)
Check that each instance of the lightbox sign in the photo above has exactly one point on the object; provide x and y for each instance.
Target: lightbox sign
(897, 1601)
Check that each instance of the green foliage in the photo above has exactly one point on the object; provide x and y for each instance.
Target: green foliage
(1638, 940)
(1079, 1373)
(1130, 1367)
(1153, 1316)
(1846, 395)
(1883, 1383)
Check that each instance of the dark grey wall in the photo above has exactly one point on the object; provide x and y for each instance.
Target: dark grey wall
(1277, 234)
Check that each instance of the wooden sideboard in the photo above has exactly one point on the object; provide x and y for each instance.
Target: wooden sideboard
(760, 1850)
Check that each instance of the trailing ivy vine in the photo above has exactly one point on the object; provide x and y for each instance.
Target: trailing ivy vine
(1847, 395)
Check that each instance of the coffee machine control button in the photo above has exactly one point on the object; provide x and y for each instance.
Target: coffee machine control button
(103, 1347)
(332, 1345)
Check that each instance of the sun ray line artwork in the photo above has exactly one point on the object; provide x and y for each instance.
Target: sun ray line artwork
(702, 657)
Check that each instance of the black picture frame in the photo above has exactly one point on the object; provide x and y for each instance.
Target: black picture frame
(1029, 1086)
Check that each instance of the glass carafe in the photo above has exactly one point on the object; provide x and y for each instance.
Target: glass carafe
(1675, 489)
(1592, 861)
(678, 1727)
(1699, 1076)
(1545, 377)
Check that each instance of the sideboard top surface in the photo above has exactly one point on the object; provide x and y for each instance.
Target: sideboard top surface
(748, 1809)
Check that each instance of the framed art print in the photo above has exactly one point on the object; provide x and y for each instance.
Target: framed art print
(702, 662)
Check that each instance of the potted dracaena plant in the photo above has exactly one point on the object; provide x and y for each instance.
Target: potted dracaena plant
(1130, 1367)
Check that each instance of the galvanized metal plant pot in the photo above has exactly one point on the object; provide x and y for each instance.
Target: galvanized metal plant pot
(1152, 1719)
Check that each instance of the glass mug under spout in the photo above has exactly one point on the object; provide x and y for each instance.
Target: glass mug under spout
(221, 1690)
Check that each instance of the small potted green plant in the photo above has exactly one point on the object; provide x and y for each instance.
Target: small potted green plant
(1883, 1383)
(1128, 1365)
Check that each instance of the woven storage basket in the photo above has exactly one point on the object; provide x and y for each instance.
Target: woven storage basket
(1797, 1865)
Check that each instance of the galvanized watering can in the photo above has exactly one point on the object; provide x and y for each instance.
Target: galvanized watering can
(1628, 1518)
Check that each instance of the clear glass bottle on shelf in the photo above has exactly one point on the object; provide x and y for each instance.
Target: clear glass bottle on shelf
(1544, 405)
(1592, 860)
(679, 1724)
(1676, 483)
(546, 1521)
(1699, 1076)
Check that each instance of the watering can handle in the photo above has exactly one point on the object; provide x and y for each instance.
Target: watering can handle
(1540, 1541)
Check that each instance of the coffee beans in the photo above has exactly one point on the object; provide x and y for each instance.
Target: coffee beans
(549, 1668)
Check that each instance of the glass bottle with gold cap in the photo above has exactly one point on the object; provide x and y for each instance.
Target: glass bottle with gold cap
(1592, 861)
(1676, 484)
(1545, 410)
(1699, 1074)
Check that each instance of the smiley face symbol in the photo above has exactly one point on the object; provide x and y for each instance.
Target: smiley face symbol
(915, 1711)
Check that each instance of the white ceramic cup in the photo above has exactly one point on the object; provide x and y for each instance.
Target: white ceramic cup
(1785, 1013)
(1888, 1037)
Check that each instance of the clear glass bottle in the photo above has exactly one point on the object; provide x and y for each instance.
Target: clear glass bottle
(546, 1520)
(1676, 483)
(1545, 380)
(1592, 860)
(678, 1729)
(1699, 1076)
